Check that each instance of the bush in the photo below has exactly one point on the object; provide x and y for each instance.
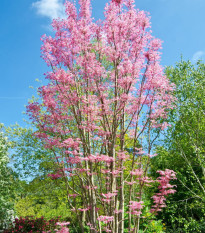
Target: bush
(31, 225)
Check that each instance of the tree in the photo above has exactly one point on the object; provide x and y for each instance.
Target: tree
(29, 157)
(37, 194)
(106, 85)
(7, 182)
(183, 149)
(43, 197)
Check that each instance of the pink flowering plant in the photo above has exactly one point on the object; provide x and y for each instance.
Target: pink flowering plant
(41, 225)
(104, 106)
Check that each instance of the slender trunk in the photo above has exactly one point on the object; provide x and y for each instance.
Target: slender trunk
(138, 225)
(121, 207)
(99, 225)
(93, 202)
(129, 214)
(122, 198)
(113, 189)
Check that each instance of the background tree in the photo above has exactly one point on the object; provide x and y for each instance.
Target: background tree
(37, 194)
(8, 183)
(29, 157)
(184, 149)
(43, 197)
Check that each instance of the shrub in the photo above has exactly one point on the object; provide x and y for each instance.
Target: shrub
(34, 225)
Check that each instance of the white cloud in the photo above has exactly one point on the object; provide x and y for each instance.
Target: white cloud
(198, 55)
(50, 8)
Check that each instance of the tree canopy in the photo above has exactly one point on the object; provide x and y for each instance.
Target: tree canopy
(183, 148)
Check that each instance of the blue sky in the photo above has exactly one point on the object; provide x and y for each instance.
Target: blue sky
(179, 23)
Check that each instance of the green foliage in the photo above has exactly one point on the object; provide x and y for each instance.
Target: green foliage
(43, 197)
(184, 150)
(30, 158)
(37, 194)
(8, 182)
(154, 226)
(184, 212)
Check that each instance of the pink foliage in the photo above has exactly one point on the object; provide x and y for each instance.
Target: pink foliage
(117, 1)
(63, 228)
(105, 219)
(165, 188)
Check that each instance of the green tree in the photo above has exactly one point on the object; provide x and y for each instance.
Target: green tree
(8, 182)
(43, 197)
(38, 194)
(184, 149)
(29, 157)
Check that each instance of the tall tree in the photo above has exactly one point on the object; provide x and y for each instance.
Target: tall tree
(184, 148)
(106, 83)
